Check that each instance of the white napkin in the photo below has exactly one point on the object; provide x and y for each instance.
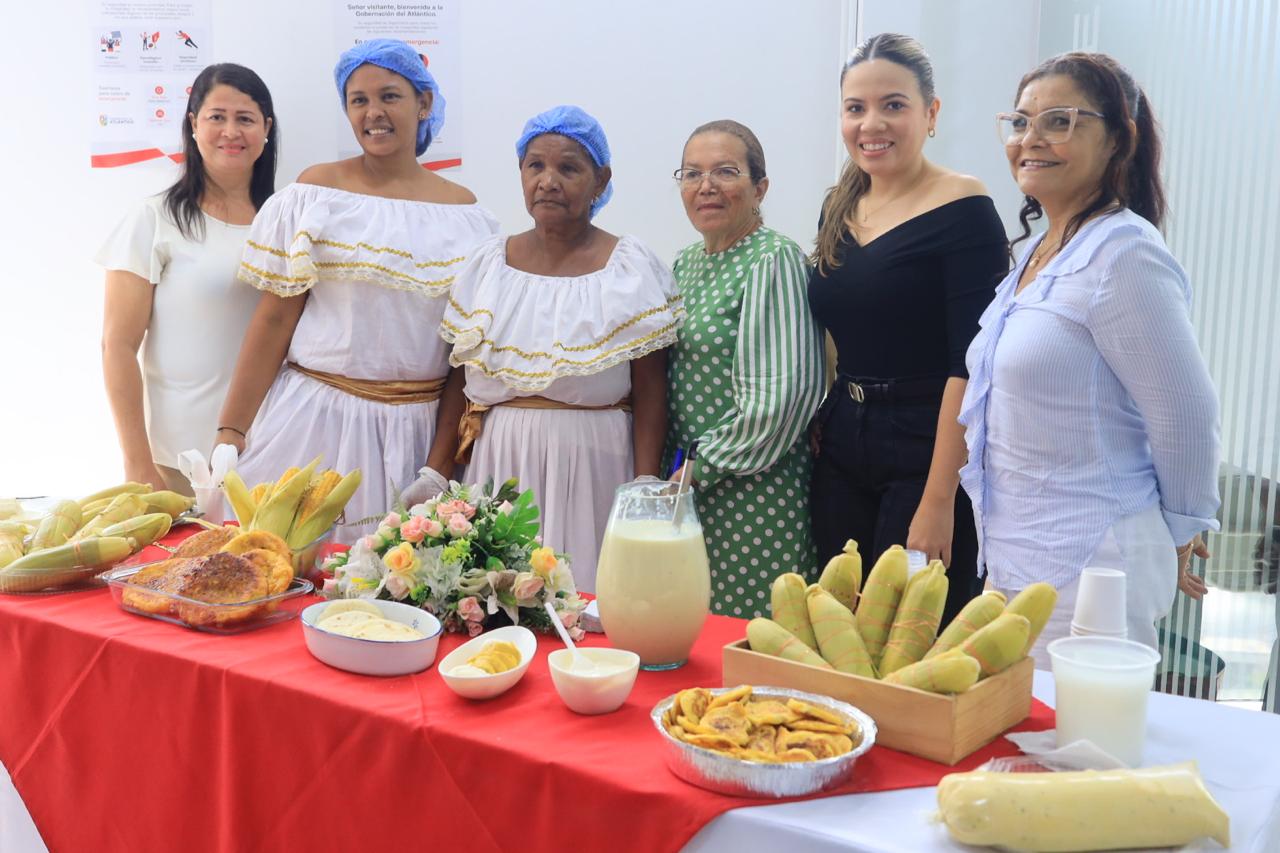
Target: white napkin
(1083, 754)
(206, 478)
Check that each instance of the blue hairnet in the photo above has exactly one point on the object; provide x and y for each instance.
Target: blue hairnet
(576, 124)
(395, 55)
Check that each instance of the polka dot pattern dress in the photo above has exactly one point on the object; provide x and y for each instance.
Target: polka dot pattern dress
(745, 377)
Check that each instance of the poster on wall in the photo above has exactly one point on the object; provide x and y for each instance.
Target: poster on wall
(430, 28)
(146, 53)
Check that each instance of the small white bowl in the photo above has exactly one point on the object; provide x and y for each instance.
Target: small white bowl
(375, 657)
(488, 686)
(587, 693)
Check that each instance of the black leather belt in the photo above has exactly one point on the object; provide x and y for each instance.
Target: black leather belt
(861, 389)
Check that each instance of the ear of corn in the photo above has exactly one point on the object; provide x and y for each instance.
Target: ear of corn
(915, 625)
(317, 490)
(838, 638)
(322, 516)
(945, 674)
(10, 547)
(277, 512)
(260, 493)
(242, 503)
(879, 601)
(287, 475)
(788, 608)
(142, 529)
(842, 576)
(978, 612)
(1036, 602)
(122, 488)
(770, 638)
(89, 552)
(92, 508)
(168, 502)
(999, 644)
(122, 507)
(58, 526)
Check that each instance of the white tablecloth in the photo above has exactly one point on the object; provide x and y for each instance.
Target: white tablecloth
(1238, 752)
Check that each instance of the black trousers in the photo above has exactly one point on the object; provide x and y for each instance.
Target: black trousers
(869, 477)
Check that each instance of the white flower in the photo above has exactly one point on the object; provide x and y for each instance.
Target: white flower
(397, 587)
(561, 579)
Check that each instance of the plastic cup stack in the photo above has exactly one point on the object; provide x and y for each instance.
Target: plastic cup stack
(1100, 605)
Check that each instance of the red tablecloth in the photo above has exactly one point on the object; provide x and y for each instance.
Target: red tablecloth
(126, 733)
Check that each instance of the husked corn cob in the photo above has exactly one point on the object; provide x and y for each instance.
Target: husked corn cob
(944, 674)
(978, 612)
(260, 493)
(288, 473)
(141, 529)
(243, 504)
(999, 644)
(879, 601)
(838, 638)
(322, 516)
(1036, 602)
(788, 608)
(317, 490)
(97, 551)
(122, 507)
(168, 502)
(121, 489)
(58, 526)
(10, 546)
(915, 625)
(842, 576)
(767, 636)
(277, 512)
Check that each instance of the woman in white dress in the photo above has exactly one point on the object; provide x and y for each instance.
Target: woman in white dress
(354, 263)
(171, 278)
(562, 330)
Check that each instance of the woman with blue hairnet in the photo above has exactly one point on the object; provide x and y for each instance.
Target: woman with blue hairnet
(562, 330)
(355, 262)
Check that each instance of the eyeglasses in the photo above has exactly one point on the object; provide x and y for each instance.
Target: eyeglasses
(719, 175)
(1053, 126)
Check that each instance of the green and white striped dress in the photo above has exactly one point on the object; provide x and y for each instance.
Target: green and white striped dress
(745, 377)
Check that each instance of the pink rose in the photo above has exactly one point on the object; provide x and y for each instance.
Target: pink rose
(469, 609)
(527, 585)
(392, 520)
(569, 618)
(474, 629)
(371, 542)
(434, 528)
(576, 634)
(330, 587)
(415, 529)
(396, 586)
(455, 507)
(458, 525)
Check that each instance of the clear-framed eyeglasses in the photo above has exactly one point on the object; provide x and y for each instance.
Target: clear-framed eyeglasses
(1053, 126)
(719, 175)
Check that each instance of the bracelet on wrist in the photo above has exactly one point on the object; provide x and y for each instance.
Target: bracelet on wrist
(233, 429)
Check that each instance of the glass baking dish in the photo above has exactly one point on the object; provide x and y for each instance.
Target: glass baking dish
(231, 618)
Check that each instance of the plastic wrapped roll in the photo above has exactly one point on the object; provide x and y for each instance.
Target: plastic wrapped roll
(1085, 810)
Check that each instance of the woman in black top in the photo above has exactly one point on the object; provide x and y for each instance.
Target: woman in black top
(907, 257)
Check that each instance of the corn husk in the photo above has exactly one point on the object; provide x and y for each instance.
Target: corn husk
(978, 612)
(315, 520)
(113, 491)
(770, 638)
(122, 507)
(842, 576)
(58, 526)
(141, 529)
(915, 625)
(999, 644)
(171, 503)
(788, 608)
(97, 551)
(277, 512)
(878, 603)
(242, 502)
(838, 639)
(946, 674)
(1036, 602)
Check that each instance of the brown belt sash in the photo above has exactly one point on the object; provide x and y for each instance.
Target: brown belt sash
(472, 423)
(396, 392)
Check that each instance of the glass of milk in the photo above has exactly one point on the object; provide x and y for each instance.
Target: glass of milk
(652, 580)
(1102, 685)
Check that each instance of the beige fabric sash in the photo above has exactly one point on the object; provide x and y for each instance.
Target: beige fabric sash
(396, 392)
(472, 424)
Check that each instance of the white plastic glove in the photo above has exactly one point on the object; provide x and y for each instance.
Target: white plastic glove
(429, 484)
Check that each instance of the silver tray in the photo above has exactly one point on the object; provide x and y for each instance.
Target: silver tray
(738, 777)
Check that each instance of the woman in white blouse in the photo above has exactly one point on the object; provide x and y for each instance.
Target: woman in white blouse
(171, 278)
(1090, 417)
(562, 330)
(354, 263)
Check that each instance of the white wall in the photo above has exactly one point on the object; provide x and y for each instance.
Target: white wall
(650, 72)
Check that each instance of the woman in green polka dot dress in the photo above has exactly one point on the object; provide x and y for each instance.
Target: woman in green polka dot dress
(745, 375)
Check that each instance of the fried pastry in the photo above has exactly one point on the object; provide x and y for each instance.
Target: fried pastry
(693, 702)
(206, 542)
(728, 721)
(258, 540)
(221, 579)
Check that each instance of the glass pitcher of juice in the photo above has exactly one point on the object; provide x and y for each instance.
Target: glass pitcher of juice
(652, 582)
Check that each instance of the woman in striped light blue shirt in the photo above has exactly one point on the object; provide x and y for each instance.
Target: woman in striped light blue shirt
(1090, 418)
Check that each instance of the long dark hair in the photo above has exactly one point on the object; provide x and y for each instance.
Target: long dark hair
(1132, 176)
(842, 199)
(182, 200)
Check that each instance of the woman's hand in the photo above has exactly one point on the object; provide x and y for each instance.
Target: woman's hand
(932, 529)
(679, 473)
(145, 472)
(1189, 582)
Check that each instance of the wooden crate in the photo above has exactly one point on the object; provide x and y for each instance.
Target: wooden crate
(939, 728)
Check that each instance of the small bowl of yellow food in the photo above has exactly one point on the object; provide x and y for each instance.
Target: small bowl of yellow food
(371, 637)
(490, 664)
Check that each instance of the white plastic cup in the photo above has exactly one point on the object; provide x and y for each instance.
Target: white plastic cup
(917, 561)
(1100, 602)
(210, 502)
(1102, 685)
(1078, 631)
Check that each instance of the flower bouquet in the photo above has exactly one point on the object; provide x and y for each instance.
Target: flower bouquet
(471, 556)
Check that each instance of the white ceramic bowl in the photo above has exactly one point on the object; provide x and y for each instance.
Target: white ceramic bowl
(488, 686)
(375, 657)
(589, 693)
